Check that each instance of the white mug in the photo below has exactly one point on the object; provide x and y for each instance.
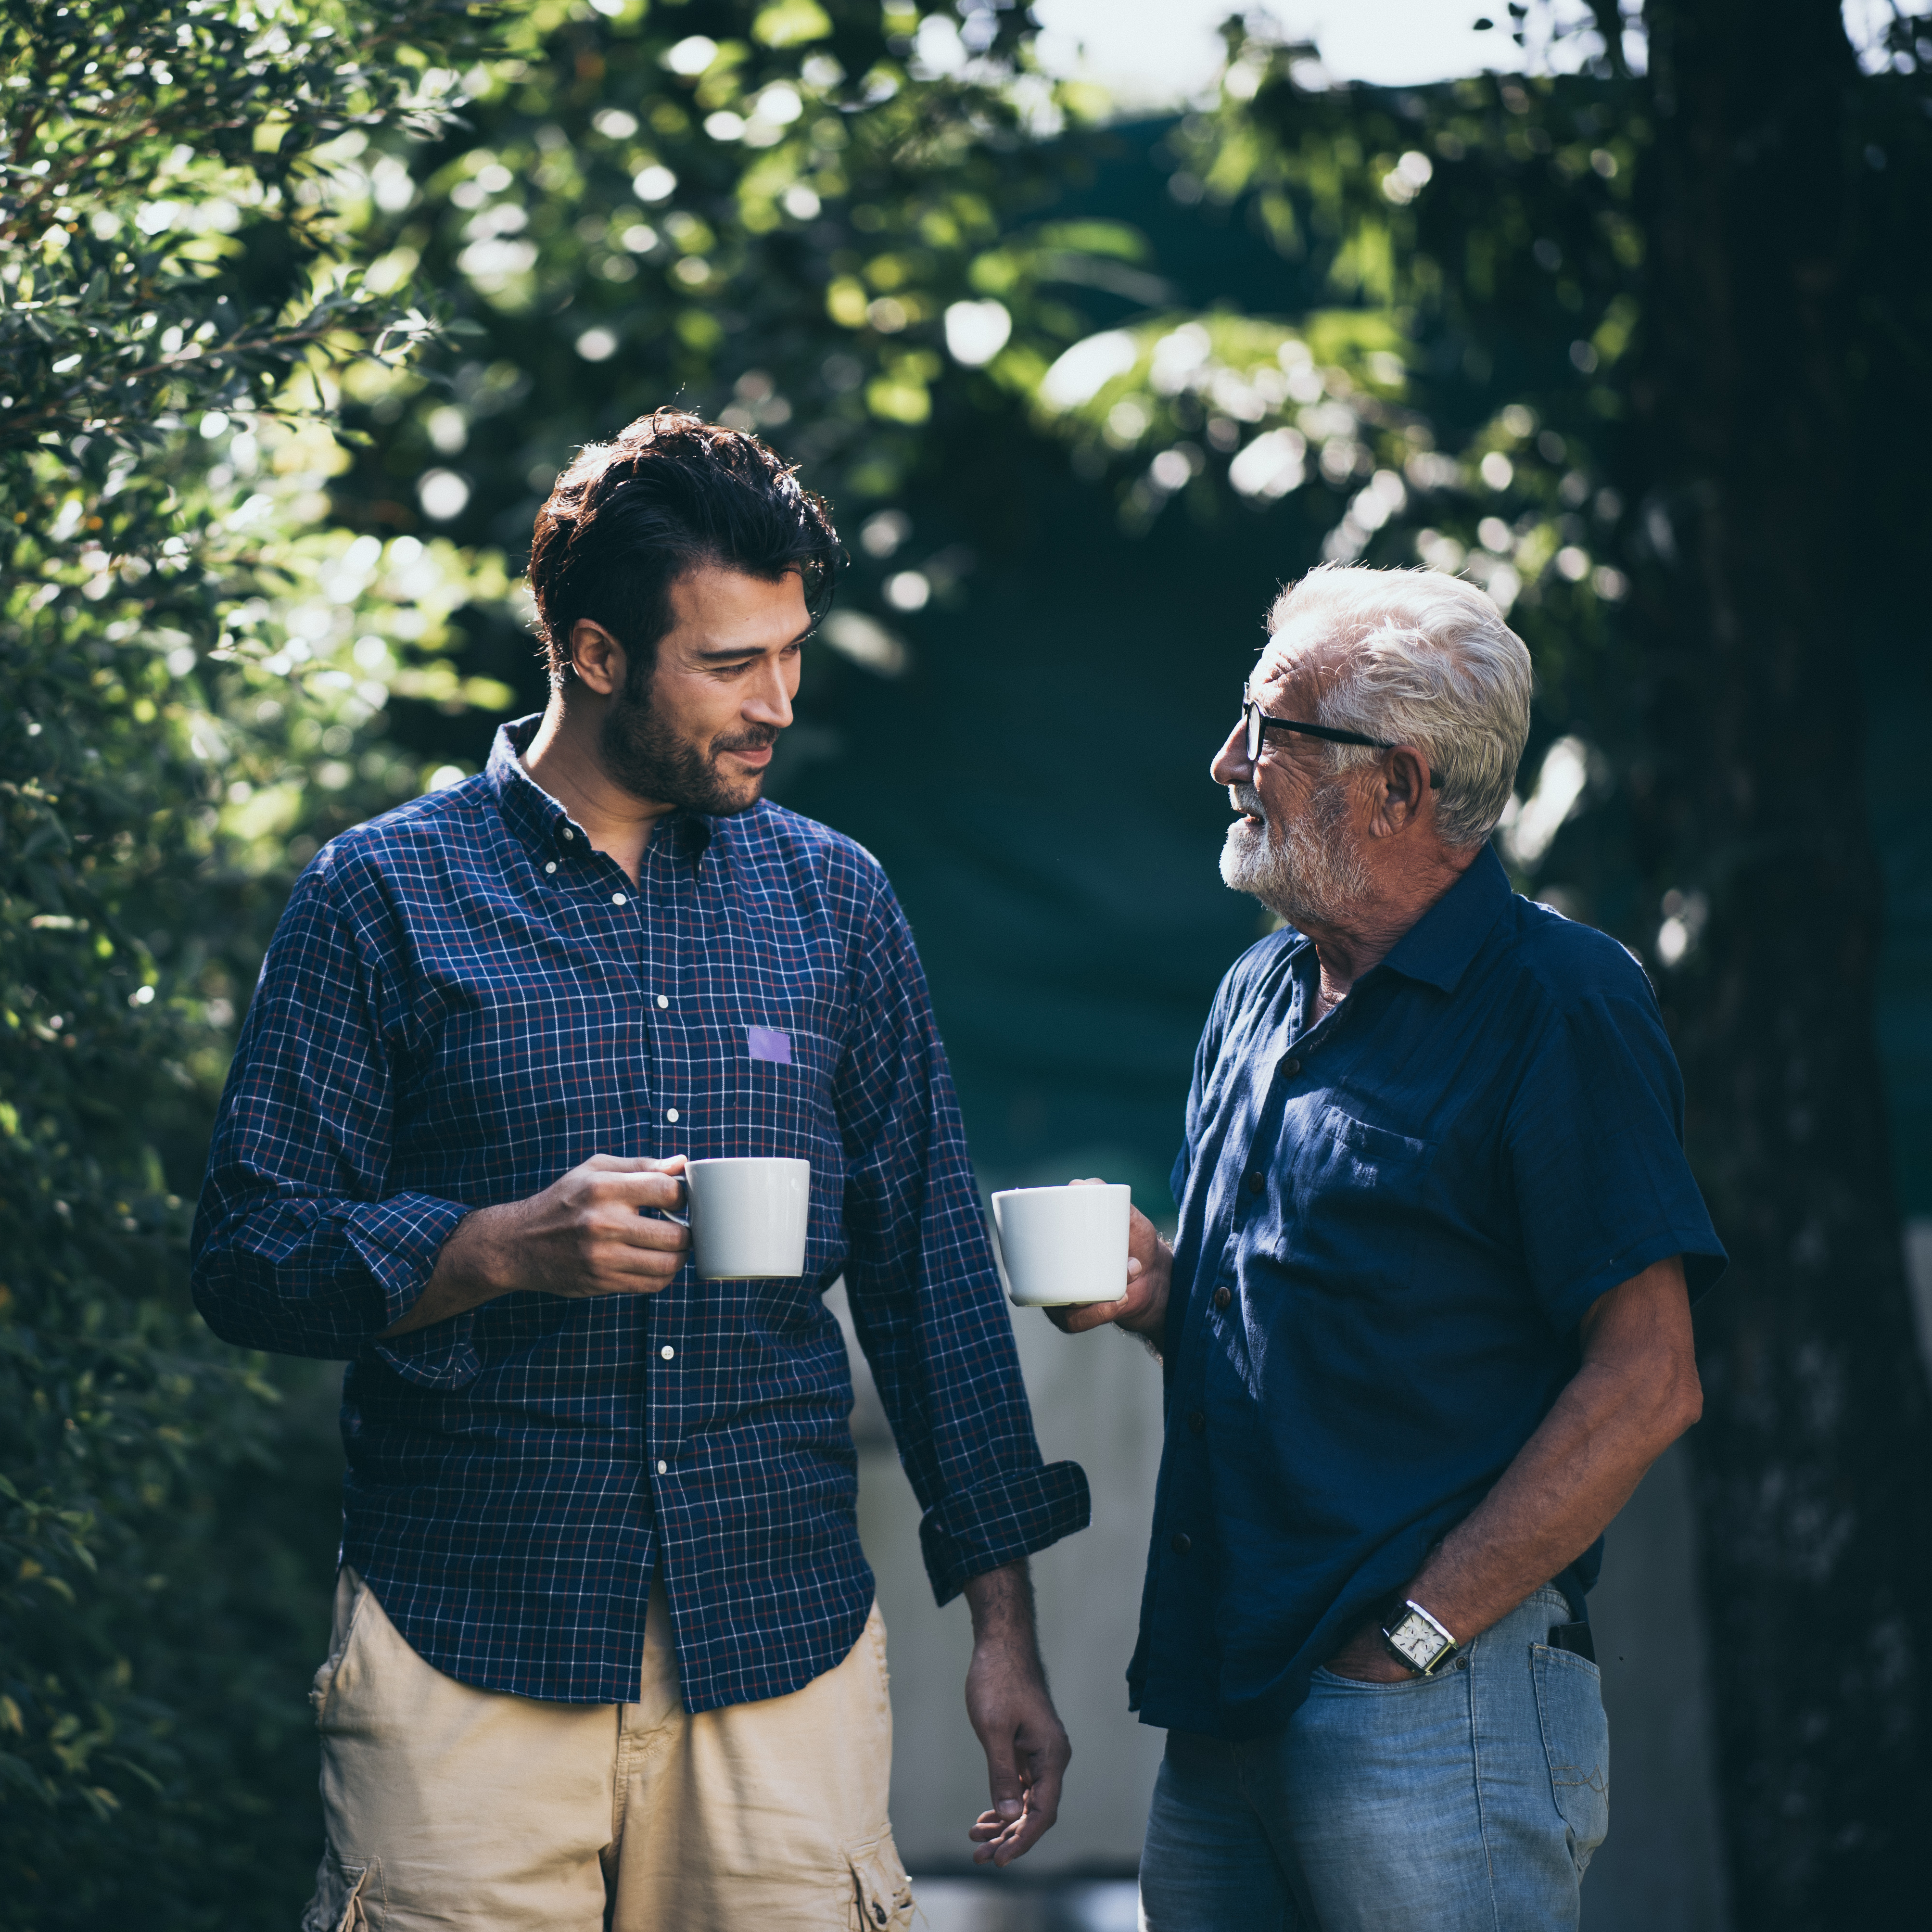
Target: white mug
(748, 1217)
(1063, 1245)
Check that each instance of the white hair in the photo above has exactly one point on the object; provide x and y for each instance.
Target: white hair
(1423, 659)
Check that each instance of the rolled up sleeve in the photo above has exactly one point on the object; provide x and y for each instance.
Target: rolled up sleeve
(298, 1245)
(925, 1295)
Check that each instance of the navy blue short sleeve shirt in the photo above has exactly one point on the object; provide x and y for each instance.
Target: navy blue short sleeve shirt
(1391, 1224)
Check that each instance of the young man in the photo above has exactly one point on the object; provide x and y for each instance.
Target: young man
(606, 1652)
(1426, 1322)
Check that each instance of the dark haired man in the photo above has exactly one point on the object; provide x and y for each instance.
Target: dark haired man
(605, 1649)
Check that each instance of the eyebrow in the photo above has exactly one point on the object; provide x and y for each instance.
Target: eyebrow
(751, 650)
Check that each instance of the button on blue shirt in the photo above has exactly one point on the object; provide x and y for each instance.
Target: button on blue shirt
(463, 1002)
(1391, 1224)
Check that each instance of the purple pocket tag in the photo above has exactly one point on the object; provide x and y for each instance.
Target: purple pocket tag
(768, 1043)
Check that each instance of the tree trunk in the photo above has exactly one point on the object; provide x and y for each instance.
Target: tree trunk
(1812, 1459)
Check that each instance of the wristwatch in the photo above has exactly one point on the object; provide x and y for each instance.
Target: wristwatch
(1416, 1640)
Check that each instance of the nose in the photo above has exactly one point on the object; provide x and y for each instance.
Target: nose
(1231, 765)
(770, 701)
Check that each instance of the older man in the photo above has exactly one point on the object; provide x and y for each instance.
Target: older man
(1425, 1323)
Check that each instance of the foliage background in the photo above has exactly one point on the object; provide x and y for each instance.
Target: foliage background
(303, 305)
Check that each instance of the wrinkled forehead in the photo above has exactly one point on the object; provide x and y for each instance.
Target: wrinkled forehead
(1298, 658)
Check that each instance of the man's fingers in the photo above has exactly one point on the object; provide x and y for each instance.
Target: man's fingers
(1004, 1784)
(1049, 1773)
(640, 1188)
(628, 1228)
(1091, 1315)
(1024, 1781)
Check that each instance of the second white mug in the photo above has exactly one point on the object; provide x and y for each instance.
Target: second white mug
(1063, 1245)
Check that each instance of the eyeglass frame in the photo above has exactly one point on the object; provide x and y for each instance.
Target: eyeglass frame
(1256, 722)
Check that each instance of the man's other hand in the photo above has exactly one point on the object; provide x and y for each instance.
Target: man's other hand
(1143, 1309)
(588, 1233)
(1007, 1700)
(1367, 1660)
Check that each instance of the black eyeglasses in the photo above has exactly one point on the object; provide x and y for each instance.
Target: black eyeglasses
(1257, 723)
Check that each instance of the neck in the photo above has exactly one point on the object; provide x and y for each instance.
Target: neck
(563, 758)
(1348, 949)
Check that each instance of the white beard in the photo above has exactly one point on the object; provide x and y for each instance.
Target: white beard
(1309, 872)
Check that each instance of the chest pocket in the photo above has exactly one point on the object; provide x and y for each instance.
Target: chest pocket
(1356, 1202)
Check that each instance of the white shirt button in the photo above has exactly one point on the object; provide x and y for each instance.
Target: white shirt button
(671, 1113)
(550, 864)
(664, 1468)
(617, 898)
(662, 1001)
(667, 1352)
(568, 833)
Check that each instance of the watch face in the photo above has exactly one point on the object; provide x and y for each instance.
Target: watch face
(1416, 1641)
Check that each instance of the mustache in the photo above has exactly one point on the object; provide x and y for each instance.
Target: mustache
(753, 738)
(1245, 798)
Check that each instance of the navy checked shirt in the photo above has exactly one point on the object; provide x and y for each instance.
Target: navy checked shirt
(1392, 1223)
(463, 1002)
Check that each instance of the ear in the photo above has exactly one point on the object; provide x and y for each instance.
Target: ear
(1401, 795)
(597, 658)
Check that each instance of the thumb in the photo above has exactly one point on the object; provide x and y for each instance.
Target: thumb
(1003, 1782)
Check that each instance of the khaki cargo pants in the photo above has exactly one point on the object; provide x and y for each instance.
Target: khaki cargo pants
(467, 1811)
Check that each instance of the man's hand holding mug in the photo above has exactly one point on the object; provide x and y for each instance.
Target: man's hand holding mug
(1143, 1308)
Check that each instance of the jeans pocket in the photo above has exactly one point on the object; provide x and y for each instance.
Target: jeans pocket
(1576, 1742)
(881, 1892)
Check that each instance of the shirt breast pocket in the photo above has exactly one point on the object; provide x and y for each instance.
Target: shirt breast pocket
(1357, 1200)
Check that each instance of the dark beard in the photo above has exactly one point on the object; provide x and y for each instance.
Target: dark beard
(642, 754)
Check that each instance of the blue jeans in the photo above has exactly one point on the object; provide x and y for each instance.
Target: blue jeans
(1469, 1802)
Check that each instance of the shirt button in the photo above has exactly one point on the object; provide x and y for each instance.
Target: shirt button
(1290, 1067)
(1255, 1183)
(1222, 1296)
(662, 1001)
(568, 833)
(670, 1114)
(617, 898)
(664, 1468)
(667, 1352)
(1182, 1544)
(1197, 1422)
(550, 864)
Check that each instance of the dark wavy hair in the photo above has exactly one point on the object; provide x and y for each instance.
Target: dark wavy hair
(669, 494)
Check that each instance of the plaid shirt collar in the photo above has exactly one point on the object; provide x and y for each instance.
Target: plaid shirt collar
(542, 827)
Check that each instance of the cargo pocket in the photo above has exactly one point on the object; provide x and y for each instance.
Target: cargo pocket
(881, 1892)
(1577, 1741)
(343, 1894)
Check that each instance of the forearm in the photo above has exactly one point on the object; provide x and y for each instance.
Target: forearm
(475, 1266)
(1001, 1602)
(1554, 1501)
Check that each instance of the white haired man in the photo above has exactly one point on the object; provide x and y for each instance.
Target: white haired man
(1426, 1322)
